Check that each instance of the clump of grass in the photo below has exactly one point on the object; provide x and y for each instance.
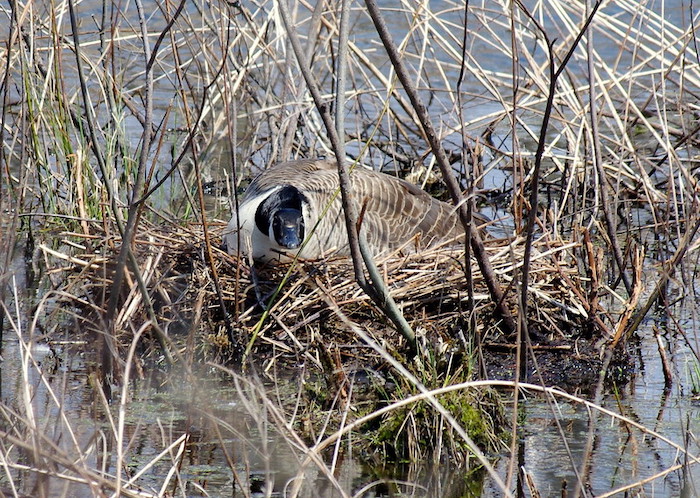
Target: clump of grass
(418, 433)
(693, 369)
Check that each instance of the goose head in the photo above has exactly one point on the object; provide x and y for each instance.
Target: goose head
(281, 217)
(270, 225)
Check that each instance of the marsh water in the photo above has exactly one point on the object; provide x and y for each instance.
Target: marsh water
(232, 448)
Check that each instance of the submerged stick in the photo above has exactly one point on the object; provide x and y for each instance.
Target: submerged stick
(554, 74)
(669, 269)
(466, 152)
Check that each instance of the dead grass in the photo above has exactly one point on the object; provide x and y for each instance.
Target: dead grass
(113, 128)
(277, 303)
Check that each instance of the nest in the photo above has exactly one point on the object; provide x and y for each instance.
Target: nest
(281, 310)
(431, 287)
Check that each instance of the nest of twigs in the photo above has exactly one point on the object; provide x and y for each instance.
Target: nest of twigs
(283, 308)
(303, 319)
(279, 311)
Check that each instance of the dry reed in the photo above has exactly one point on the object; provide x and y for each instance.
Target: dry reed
(111, 137)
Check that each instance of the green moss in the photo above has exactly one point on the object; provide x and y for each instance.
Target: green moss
(421, 429)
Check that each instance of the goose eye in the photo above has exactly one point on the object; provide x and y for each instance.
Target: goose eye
(288, 228)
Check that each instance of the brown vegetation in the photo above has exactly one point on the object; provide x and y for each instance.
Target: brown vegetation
(576, 127)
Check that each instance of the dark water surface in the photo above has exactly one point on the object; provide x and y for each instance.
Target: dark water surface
(231, 444)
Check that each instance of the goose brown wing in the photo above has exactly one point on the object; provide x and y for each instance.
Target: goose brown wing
(396, 211)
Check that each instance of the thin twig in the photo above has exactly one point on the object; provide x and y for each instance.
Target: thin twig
(377, 291)
(439, 152)
(554, 74)
(610, 222)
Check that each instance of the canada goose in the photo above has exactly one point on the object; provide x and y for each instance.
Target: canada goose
(283, 205)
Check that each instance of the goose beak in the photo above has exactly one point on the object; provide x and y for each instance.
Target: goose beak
(289, 237)
(288, 228)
